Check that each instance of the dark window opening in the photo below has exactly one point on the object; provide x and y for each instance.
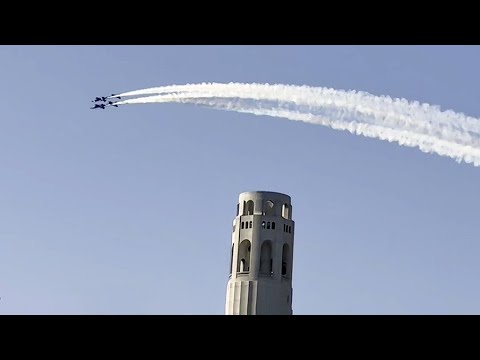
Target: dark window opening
(285, 260)
(268, 225)
(243, 256)
(251, 224)
(250, 207)
(243, 225)
(273, 225)
(263, 224)
(269, 208)
(266, 261)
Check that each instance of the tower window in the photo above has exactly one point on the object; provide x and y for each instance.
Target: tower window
(285, 260)
(268, 225)
(273, 225)
(251, 224)
(269, 208)
(243, 262)
(263, 224)
(286, 212)
(266, 262)
(289, 229)
(231, 260)
(243, 225)
(249, 207)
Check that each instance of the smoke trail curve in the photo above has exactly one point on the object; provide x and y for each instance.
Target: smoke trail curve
(411, 124)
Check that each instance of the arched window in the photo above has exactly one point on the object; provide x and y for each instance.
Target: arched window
(231, 260)
(263, 224)
(286, 211)
(266, 258)
(269, 208)
(268, 225)
(243, 263)
(251, 224)
(249, 207)
(273, 225)
(285, 259)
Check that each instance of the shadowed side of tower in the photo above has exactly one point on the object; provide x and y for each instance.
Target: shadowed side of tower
(261, 253)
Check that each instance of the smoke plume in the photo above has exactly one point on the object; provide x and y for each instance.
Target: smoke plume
(408, 123)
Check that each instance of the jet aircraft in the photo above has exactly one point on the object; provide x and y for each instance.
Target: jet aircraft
(101, 98)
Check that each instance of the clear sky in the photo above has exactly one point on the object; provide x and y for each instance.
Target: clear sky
(129, 210)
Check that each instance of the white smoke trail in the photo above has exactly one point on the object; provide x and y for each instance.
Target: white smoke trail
(445, 133)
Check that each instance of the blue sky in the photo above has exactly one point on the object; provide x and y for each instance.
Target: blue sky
(129, 211)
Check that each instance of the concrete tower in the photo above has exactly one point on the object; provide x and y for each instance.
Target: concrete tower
(261, 262)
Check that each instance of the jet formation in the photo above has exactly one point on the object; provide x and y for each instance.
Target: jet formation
(105, 101)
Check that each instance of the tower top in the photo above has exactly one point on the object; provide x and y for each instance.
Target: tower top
(265, 193)
(264, 203)
(264, 196)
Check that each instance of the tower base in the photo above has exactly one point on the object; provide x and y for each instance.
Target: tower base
(257, 297)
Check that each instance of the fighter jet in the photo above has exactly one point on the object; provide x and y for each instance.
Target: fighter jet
(110, 103)
(101, 98)
(101, 106)
(115, 95)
